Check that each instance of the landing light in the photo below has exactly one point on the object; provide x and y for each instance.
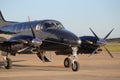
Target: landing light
(79, 41)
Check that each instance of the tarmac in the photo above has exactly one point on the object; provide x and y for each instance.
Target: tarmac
(95, 67)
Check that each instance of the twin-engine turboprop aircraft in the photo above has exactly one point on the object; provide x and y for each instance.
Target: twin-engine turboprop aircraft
(41, 36)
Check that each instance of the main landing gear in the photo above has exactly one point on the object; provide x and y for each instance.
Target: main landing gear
(71, 61)
(7, 61)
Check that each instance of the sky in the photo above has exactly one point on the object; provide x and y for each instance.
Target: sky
(76, 15)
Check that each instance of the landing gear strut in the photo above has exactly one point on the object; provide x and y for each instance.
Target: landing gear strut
(72, 61)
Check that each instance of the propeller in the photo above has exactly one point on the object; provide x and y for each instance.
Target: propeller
(102, 42)
(36, 43)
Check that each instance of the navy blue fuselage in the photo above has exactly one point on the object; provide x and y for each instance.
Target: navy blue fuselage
(58, 38)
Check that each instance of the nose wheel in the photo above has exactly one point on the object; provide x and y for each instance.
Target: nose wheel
(72, 61)
(75, 66)
(67, 62)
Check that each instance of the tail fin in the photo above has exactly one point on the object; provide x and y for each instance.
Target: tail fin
(1, 16)
(3, 22)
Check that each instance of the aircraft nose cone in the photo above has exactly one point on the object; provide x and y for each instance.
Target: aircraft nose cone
(66, 37)
(72, 39)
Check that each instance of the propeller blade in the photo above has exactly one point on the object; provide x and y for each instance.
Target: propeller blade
(94, 34)
(108, 34)
(108, 52)
(33, 33)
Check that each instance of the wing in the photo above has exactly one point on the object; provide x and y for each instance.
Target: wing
(17, 44)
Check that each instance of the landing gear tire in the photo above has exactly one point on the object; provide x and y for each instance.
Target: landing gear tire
(75, 66)
(8, 63)
(67, 62)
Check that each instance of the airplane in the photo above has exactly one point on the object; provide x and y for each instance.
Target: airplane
(45, 35)
(37, 37)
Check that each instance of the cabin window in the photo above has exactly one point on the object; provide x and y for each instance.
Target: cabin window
(38, 27)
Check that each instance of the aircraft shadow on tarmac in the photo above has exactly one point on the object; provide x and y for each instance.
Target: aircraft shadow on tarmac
(34, 67)
(41, 68)
(2, 63)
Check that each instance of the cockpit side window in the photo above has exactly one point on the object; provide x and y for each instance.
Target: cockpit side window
(49, 25)
(52, 25)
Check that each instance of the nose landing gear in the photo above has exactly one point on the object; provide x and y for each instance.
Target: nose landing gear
(71, 61)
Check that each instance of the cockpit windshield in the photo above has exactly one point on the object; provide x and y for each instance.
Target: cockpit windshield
(52, 25)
